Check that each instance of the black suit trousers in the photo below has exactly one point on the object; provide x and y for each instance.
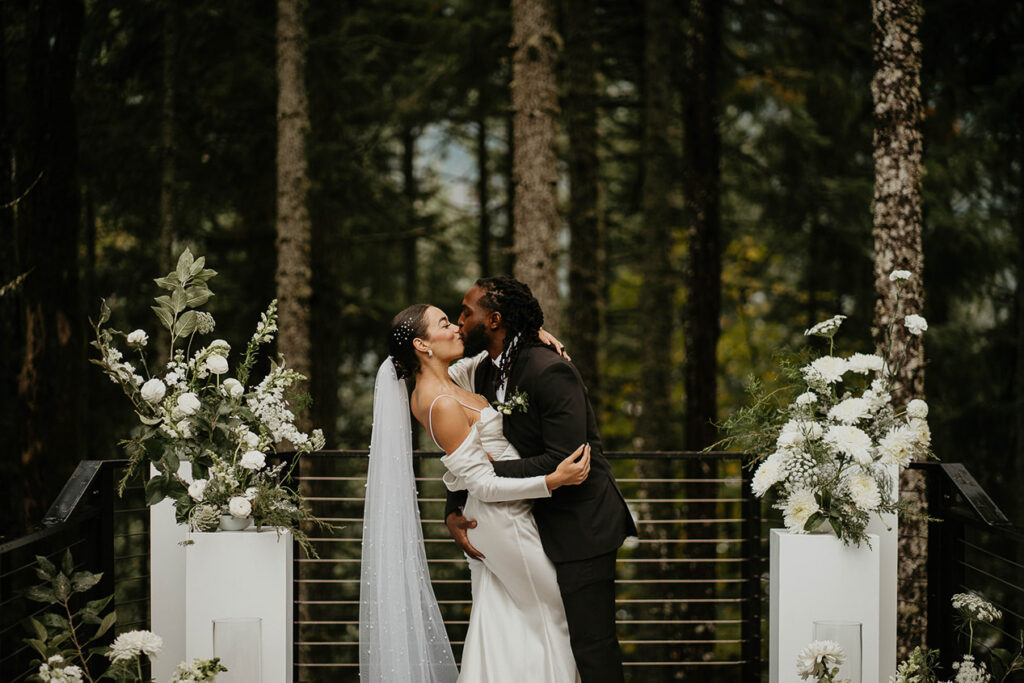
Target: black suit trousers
(588, 592)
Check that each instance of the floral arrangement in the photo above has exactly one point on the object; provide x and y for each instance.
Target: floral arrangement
(829, 455)
(191, 409)
(517, 402)
(922, 665)
(68, 635)
(820, 661)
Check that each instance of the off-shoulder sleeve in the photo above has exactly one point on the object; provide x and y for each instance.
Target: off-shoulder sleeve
(461, 371)
(470, 469)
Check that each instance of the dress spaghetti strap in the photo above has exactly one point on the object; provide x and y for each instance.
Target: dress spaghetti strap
(430, 415)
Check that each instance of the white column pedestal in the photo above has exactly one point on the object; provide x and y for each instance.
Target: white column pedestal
(241, 574)
(167, 581)
(815, 577)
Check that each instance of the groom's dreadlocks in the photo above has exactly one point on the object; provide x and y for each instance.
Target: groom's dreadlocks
(520, 313)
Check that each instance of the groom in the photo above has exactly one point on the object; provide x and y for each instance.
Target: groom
(581, 527)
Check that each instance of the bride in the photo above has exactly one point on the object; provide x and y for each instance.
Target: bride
(517, 628)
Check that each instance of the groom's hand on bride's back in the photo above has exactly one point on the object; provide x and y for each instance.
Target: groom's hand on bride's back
(457, 527)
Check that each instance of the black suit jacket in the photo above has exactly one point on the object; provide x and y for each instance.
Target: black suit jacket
(576, 522)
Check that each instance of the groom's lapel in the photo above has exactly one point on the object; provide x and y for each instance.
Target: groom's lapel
(483, 381)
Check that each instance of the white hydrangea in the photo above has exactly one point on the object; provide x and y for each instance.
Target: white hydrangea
(826, 328)
(132, 644)
(863, 363)
(864, 491)
(850, 441)
(188, 403)
(153, 391)
(817, 659)
(797, 509)
(197, 490)
(233, 387)
(217, 365)
(897, 446)
(915, 324)
(253, 460)
(917, 409)
(899, 275)
(239, 507)
(138, 338)
(850, 411)
(807, 398)
(825, 370)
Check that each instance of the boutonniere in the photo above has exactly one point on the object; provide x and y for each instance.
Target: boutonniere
(517, 402)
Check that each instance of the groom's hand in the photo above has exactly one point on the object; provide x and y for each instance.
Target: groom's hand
(457, 527)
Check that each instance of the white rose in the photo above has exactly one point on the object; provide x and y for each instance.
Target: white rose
(917, 409)
(188, 403)
(899, 275)
(220, 346)
(239, 507)
(138, 338)
(154, 391)
(251, 440)
(233, 386)
(218, 365)
(916, 324)
(253, 460)
(197, 490)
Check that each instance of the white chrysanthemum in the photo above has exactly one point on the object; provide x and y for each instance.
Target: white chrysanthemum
(975, 607)
(899, 275)
(818, 658)
(796, 432)
(921, 430)
(826, 328)
(864, 491)
(863, 363)
(850, 441)
(897, 446)
(218, 365)
(825, 370)
(797, 509)
(849, 411)
(197, 490)
(253, 460)
(916, 324)
(807, 398)
(239, 507)
(233, 387)
(767, 475)
(138, 338)
(132, 644)
(189, 403)
(153, 391)
(917, 409)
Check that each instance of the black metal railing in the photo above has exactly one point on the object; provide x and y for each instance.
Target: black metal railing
(972, 548)
(104, 533)
(688, 592)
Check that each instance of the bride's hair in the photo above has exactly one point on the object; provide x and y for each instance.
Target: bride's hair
(408, 325)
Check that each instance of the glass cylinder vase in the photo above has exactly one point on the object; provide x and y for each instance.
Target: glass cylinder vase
(237, 642)
(848, 635)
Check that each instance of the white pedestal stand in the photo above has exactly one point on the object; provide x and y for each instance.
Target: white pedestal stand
(887, 531)
(241, 574)
(815, 577)
(167, 581)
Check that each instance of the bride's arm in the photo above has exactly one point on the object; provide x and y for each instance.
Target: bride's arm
(462, 370)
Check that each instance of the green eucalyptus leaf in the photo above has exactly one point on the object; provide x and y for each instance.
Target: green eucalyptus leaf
(179, 299)
(168, 283)
(39, 646)
(187, 324)
(165, 316)
(38, 628)
(104, 311)
(59, 639)
(206, 275)
(97, 606)
(62, 587)
(155, 490)
(197, 266)
(198, 295)
(67, 564)
(184, 267)
(55, 621)
(47, 566)
(83, 581)
(105, 625)
(40, 594)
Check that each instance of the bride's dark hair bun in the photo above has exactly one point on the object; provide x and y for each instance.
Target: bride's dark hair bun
(408, 325)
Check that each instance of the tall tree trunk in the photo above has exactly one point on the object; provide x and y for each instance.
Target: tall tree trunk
(586, 253)
(535, 175)
(896, 90)
(409, 190)
(168, 168)
(508, 243)
(655, 423)
(294, 272)
(701, 190)
(483, 190)
(47, 225)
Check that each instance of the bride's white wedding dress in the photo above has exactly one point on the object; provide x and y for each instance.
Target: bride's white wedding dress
(517, 627)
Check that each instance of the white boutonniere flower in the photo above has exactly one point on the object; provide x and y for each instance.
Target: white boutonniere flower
(517, 402)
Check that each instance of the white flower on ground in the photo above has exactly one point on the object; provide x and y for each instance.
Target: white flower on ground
(197, 490)
(153, 391)
(899, 275)
(863, 363)
(864, 491)
(826, 328)
(817, 659)
(849, 411)
(219, 346)
(233, 386)
(253, 460)
(850, 441)
(916, 324)
(976, 607)
(897, 446)
(917, 409)
(767, 475)
(138, 338)
(239, 507)
(797, 509)
(826, 370)
(807, 398)
(132, 644)
(969, 671)
(188, 403)
(218, 365)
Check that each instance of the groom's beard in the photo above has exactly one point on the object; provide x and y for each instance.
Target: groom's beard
(475, 341)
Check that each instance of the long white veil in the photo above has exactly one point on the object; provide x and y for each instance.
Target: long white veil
(402, 638)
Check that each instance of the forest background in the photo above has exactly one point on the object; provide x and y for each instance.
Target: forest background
(129, 131)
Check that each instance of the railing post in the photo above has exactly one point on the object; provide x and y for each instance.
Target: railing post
(751, 610)
(104, 534)
(945, 565)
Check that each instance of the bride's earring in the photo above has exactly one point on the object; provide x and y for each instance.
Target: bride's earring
(430, 353)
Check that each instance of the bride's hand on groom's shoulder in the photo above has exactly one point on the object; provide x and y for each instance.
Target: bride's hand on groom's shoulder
(549, 339)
